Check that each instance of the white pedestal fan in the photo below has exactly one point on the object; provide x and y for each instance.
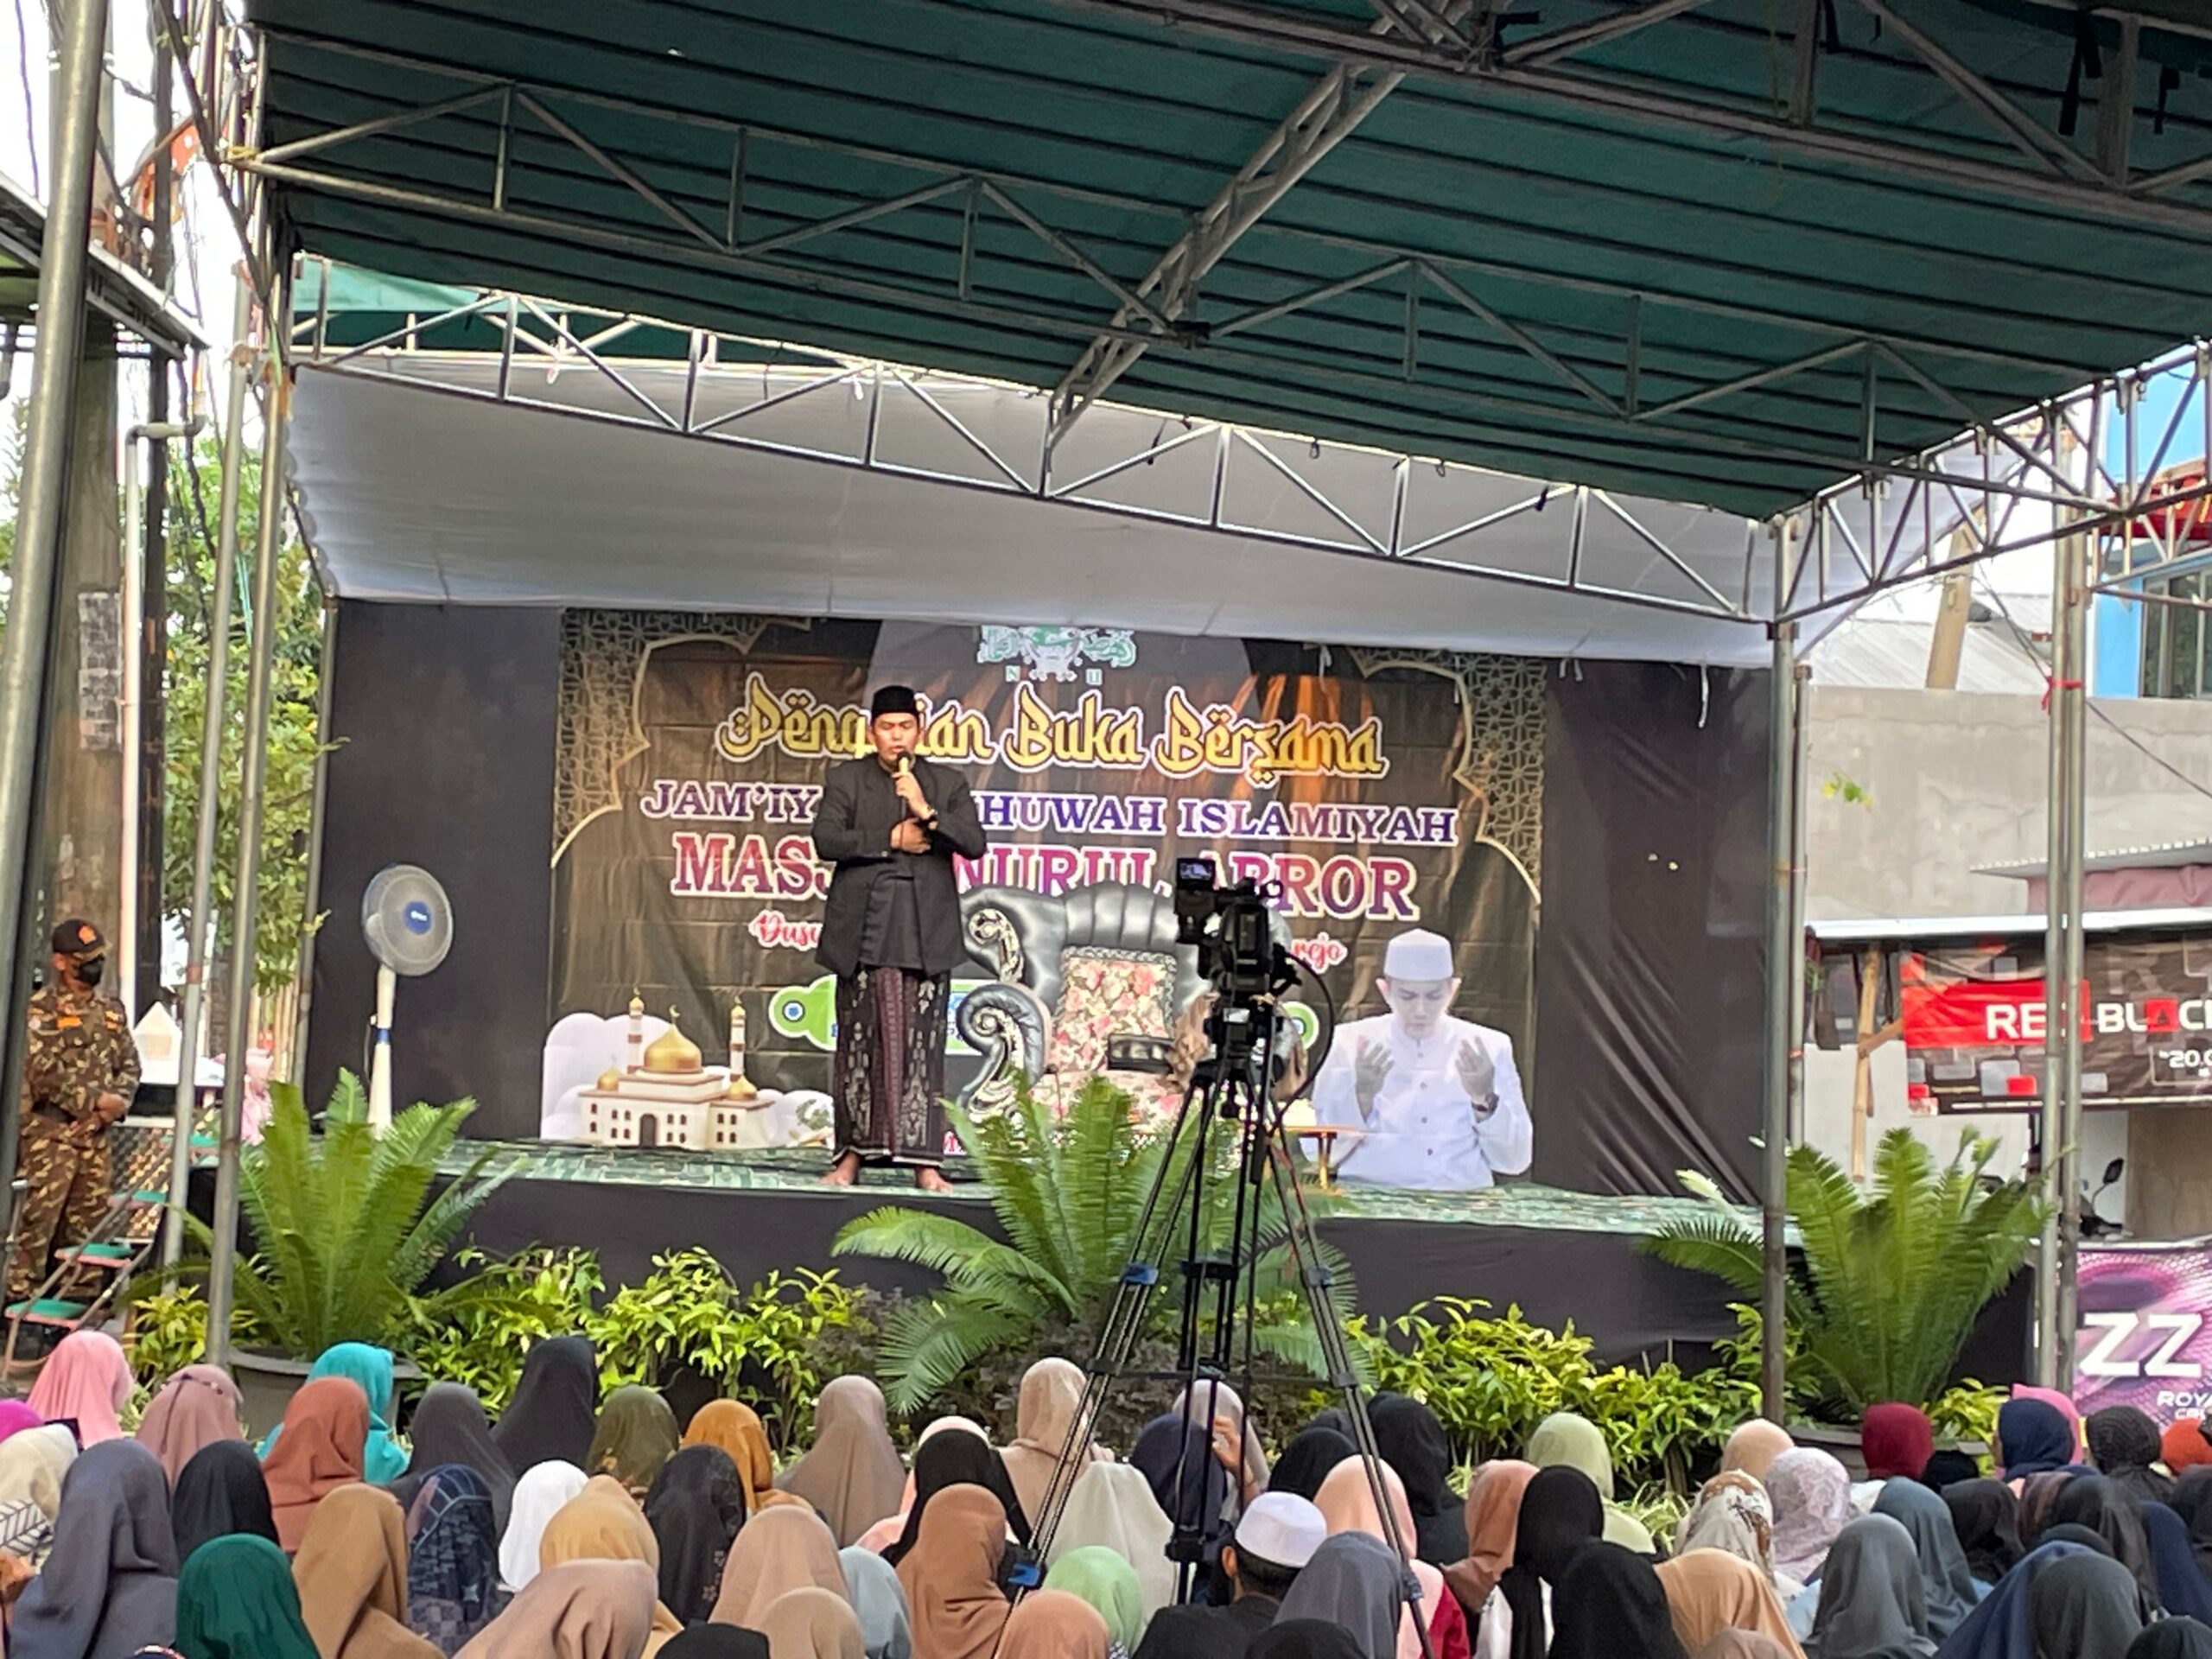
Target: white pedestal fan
(408, 923)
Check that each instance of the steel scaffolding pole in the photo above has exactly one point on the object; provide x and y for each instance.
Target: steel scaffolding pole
(37, 564)
(1785, 954)
(253, 762)
(199, 917)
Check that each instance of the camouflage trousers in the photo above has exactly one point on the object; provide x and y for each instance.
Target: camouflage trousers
(70, 1191)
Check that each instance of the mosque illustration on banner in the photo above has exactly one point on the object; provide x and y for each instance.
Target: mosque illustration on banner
(663, 1094)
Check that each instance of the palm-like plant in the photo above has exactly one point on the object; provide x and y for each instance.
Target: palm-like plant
(1069, 1193)
(342, 1237)
(1891, 1277)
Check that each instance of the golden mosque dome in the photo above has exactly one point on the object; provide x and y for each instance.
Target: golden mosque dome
(672, 1050)
(610, 1079)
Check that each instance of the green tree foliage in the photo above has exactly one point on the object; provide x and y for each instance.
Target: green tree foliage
(288, 799)
(1068, 1192)
(1891, 1277)
(345, 1230)
(196, 494)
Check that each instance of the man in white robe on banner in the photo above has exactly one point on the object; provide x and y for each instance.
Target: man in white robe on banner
(1437, 1099)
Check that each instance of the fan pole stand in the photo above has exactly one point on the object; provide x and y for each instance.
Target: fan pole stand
(380, 1052)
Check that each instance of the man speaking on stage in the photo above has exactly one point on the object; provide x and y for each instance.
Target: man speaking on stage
(891, 822)
(1436, 1100)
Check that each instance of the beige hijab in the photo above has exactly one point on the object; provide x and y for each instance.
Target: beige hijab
(32, 1462)
(603, 1524)
(812, 1623)
(784, 1549)
(1753, 1447)
(582, 1609)
(853, 1476)
(952, 1575)
(1052, 1395)
(1709, 1591)
(1228, 1423)
(1347, 1501)
(1054, 1624)
(1113, 1506)
(352, 1574)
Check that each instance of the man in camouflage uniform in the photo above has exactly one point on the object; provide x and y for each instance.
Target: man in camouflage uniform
(80, 1069)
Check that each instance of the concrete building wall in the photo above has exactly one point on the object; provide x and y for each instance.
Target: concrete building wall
(1954, 781)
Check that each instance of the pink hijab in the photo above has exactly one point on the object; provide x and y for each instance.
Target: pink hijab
(16, 1417)
(86, 1380)
(1347, 1501)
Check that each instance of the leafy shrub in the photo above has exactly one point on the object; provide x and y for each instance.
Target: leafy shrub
(767, 1341)
(1892, 1277)
(1967, 1411)
(1069, 1193)
(478, 1331)
(343, 1238)
(1491, 1380)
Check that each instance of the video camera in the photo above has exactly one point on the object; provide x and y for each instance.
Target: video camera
(1234, 929)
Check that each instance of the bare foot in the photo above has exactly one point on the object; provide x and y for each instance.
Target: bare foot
(930, 1180)
(844, 1172)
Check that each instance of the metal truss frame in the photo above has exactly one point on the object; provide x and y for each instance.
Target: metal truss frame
(539, 332)
(1153, 314)
(2029, 158)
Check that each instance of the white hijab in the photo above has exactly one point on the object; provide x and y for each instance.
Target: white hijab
(1112, 1504)
(542, 1490)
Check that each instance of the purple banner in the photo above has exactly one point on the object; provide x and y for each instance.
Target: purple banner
(2144, 1339)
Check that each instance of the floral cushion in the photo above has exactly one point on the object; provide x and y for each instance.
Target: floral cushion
(1107, 994)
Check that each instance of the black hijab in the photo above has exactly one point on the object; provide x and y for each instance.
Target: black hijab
(220, 1490)
(695, 1507)
(2192, 1500)
(1304, 1638)
(2183, 1590)
(1561, 1515)
(2084, 1605)
(1609, 1604)
(1411, 1440)
(1948, 1467)
(556, 1409)
(2124, 1444)
(1305, 1462)
(2172, 1638)
(449, 1427)
(1176, 1459)
(957, 1457)
(1987, 1519)
(2099, 1504)
(716, 1642)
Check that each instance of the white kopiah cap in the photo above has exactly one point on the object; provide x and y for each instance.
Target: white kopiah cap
(1418, 955)
(1281, 1528)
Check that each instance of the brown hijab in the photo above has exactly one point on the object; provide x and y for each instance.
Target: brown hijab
(952, 1575)
(1709, 1591)
(812, 1623)
(785, 1550)
(1493, 1525)
(325, 1429)
(736, 1427)
(196, 1408)
(1052, 1395)
(1054, 1624)
(603, 1524)
(581, 1609)
(853, 1476)
(352, 1570)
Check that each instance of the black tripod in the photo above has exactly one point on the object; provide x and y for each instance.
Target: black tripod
(1228, 1095)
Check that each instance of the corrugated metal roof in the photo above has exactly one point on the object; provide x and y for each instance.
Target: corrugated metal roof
(2165, 856)
(1891, 653)
(1525, 256)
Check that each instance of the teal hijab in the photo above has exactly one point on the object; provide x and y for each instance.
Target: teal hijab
(369, 1368)
(236, 1600)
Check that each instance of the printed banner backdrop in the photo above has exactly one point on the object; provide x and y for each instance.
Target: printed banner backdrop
(2143, 1340)
(1971, 1014)
(1382, 791)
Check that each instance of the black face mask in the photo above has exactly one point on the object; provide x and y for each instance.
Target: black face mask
(90, 972)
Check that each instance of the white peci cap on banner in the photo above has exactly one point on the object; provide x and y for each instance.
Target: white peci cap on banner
(1418, 955)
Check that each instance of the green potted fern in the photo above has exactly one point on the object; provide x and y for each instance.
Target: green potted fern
(1891, 1278)
(1067, 1192)
(344, 1233)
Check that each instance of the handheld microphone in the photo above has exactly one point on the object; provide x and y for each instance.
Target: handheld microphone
(906, 765)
